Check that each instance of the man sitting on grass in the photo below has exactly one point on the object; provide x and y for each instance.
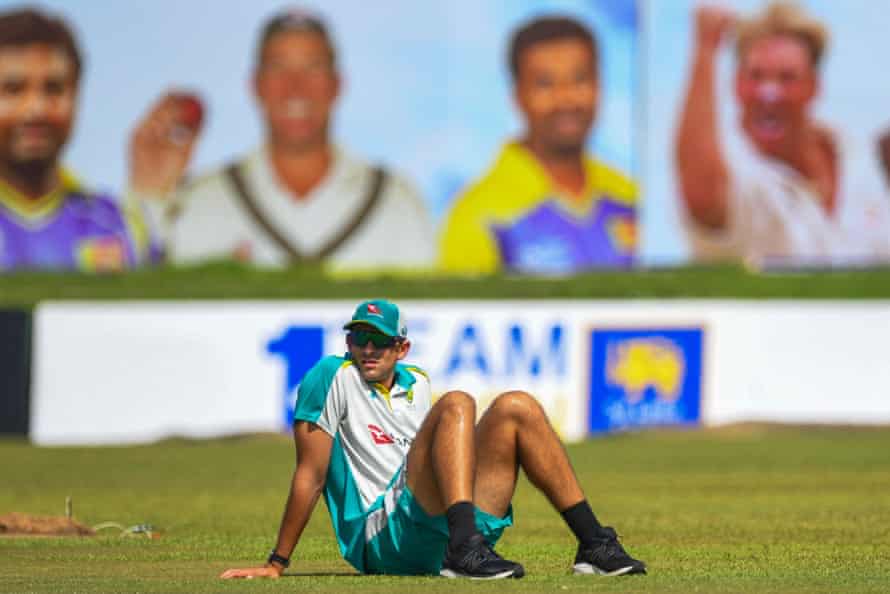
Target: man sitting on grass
(414, 489)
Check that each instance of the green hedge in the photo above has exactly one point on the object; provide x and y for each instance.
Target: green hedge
(228, 281)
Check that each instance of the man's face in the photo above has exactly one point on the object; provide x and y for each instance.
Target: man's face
(375, 363)
(558, 92)
(776, 82)
(296, 85)
(38, 93)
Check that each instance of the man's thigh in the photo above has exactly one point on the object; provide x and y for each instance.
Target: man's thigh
(437, 452)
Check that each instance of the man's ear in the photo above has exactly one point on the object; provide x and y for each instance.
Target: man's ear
(404, 348)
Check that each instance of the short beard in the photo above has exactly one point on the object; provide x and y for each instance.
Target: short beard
(566, 150)
(33, 175)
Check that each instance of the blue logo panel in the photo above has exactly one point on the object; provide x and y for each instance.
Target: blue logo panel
(300, 347)
(645, 377)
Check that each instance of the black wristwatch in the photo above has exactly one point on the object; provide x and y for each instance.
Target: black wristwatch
(276, 558)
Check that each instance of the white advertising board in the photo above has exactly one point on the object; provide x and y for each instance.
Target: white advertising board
(116, 373)
(138, 371)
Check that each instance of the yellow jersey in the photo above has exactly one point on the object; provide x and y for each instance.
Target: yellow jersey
(515, 220)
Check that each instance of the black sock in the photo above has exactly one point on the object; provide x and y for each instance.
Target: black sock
(582, 522)
(461, 522)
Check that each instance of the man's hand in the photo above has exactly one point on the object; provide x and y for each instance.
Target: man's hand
(161, 146)
(268, 571)
(712, 25)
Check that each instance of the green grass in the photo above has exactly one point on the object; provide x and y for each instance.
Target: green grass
(229, 281)
(745, 509)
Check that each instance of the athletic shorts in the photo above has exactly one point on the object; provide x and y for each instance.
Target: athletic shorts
(402, 539)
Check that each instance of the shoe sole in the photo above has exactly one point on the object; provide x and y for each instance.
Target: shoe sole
(588, 569)
(450, 573)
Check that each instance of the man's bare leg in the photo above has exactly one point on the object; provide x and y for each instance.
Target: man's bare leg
(440, 470)
(442, 460)
(514, 432)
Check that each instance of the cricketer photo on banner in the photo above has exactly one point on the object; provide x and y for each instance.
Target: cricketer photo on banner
(749, 86)
(643, 377)
(432, 101)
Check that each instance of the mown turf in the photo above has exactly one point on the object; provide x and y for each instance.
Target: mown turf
(744, 509)
(231, 281)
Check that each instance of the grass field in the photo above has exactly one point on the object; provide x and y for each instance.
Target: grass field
(231, 281)
(740, 509)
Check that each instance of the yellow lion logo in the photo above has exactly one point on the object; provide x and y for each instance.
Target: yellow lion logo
(639, 363)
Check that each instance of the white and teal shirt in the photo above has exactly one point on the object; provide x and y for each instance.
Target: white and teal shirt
(373, 428)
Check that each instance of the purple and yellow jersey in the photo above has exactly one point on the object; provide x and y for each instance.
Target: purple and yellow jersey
(514, 220)
(69, 229)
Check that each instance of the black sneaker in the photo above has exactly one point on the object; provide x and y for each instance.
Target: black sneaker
(606, 556)
(476, 560)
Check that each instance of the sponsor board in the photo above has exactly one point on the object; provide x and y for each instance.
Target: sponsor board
(112, 373)
(483, 355)
(141, 371)
(642, 377)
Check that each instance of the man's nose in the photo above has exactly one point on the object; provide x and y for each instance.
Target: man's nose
(769, 91)
(35, 104)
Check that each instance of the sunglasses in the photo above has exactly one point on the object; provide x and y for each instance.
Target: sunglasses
(360, 338)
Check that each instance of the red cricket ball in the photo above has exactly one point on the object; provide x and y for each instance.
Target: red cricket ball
(191, 110)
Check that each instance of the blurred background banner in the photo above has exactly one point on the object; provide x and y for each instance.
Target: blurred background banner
(137, 372)
(426, 86)
(850, 105)
(781, 156)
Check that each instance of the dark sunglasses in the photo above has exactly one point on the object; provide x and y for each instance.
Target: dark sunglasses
(361, 338)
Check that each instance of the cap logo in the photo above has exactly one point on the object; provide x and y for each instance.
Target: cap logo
(373, 309)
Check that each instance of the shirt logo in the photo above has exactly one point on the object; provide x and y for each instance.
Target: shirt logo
(380, 436)
(102, 254)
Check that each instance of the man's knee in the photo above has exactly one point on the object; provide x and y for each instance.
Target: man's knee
(517, 406)
(457, 402)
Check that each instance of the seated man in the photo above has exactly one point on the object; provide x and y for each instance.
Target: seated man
(298, 197)
(546, 206)
(413, 489)
(48, 220)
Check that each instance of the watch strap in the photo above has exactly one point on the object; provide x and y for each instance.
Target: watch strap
(276, 558)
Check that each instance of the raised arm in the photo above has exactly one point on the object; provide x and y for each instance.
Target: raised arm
(884, 152)
(701, 167)
(313, 455)
(162, 144)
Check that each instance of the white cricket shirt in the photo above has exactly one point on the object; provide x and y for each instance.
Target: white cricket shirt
(775, 214)
(207, 221)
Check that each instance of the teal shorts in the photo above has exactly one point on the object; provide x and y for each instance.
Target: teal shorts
(411, 542)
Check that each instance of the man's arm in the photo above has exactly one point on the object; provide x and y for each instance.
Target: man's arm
(313, 455)
(162, 144)
(160, 149)
(884, 151)
(701, 167)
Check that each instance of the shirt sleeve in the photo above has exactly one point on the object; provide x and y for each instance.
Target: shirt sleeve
(320, 397)
(730, 242)
(466, 245)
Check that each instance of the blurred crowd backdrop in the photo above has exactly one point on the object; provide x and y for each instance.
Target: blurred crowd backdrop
(543, 137)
